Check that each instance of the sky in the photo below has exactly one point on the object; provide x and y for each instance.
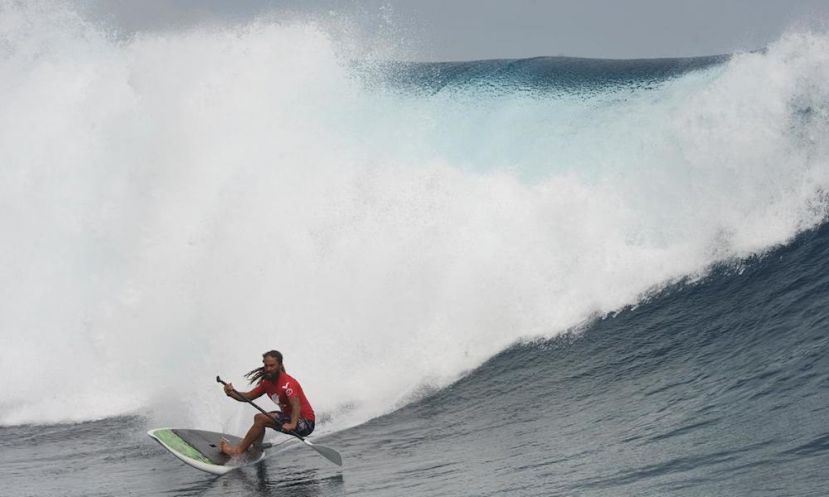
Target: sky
(442, 30)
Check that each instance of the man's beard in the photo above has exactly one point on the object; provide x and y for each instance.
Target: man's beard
(271, 376)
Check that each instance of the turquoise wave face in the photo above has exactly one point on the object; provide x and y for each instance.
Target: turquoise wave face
(532, 118)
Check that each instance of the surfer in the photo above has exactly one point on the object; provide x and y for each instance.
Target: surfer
(295, 415)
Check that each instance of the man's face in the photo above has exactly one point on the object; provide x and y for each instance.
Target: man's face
(271, 366)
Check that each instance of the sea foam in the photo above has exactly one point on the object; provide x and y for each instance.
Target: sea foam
(174, 204)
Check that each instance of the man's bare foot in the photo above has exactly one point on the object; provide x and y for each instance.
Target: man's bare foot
(226, 448)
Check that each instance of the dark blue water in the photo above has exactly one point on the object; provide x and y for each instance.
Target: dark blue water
(718, 387)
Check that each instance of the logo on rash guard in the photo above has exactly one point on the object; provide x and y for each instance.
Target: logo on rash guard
(287, 388)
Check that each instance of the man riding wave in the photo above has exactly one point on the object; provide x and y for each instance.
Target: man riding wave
(295, 416)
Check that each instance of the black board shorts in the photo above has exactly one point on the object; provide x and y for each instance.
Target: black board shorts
(304, 427)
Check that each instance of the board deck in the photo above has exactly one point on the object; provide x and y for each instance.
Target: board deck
(200, 449)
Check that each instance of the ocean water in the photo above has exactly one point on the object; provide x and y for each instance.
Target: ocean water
(549, 276)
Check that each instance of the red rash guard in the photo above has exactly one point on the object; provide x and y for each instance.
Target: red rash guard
(281, 390)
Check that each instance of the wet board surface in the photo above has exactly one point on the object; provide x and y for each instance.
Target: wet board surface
(200, 449)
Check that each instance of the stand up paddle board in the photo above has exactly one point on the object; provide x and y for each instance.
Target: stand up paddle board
(200, 449)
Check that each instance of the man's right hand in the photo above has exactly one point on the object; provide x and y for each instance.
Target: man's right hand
(229, 389)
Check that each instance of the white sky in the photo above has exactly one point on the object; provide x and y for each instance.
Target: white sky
(486, 29)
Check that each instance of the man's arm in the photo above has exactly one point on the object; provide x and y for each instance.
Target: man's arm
(242, 396)
(294, 414)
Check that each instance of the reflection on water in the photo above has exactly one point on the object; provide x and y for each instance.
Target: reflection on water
(302, 483)
(262, 480)
(265, 481)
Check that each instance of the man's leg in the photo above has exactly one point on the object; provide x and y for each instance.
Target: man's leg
(256, 433)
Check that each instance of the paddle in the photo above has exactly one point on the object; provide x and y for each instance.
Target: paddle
(326, 452)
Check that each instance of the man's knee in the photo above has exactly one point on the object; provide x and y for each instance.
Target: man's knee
(263, 419)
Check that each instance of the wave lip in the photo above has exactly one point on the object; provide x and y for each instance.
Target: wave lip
(542, 75)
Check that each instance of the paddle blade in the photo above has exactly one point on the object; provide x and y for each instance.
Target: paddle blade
(326, 452)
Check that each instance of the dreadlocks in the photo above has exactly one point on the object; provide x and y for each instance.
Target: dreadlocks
(255, 375)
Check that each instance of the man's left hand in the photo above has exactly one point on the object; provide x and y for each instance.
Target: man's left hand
(288, 427)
